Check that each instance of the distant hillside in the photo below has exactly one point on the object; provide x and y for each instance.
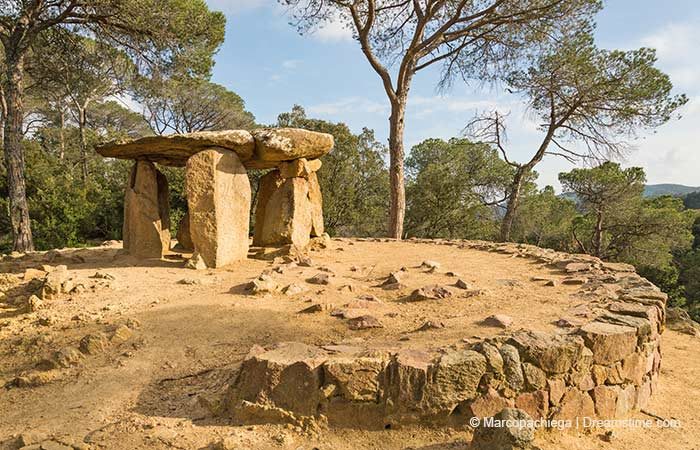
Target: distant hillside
(655, 190)
(651, 190)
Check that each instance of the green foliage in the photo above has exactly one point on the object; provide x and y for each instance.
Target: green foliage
(619, 224)
(449, 187)
(599, 97)
(186, 104)
(353, 178)
(692, 200)
(544, 219)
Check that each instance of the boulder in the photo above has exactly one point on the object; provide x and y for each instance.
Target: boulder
(146, 231)
(552, 353)
(275, 145)
(288, 375)
(513, 429)
(184, 238)
(358, 378)
(609, 342)
(455, 378)
(284, 212)
(432, 292)
(218, 196)
(536, 404)
(488, 404)
(512, 368)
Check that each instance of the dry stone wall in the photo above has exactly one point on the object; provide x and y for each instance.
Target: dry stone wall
(603, 368)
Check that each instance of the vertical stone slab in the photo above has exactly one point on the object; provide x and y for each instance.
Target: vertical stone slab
(287, 215)
(316, 199)
(218, 196)
(268, 185)
(146, 232)
(183, 233)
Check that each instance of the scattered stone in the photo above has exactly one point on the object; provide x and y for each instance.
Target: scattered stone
(315, 308)
(34, 304)
(368, 298)
(462, 284)
(92, 344)
(394, 278)
(516, 431)
(551, 283)
(67, 357)
(432, 292)
(430, 265)
(103, 276)
(364, 323)
(121, 334)
(574, 281)
(196, 262)
(264, 284)
(320, 278)
(189, 281)
(498, 320)
(294, 289)
(33, 274)
(305, 261)
(452, 274)
(577, 267)
(430, 325)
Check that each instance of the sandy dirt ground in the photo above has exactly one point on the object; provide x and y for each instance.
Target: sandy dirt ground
(191, 329)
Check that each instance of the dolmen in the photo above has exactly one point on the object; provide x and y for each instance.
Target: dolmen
(289, 203)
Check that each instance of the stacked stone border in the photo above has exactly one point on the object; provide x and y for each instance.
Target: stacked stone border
(605, 367)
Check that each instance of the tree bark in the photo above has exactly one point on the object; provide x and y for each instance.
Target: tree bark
(83, 143)
(512, 204)
(397, 210)
(62, 134)
(14, 155)
(598, 235)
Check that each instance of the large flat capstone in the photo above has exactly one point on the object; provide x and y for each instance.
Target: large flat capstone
(261, 149)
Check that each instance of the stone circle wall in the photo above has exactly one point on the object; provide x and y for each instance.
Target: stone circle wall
(605, 366)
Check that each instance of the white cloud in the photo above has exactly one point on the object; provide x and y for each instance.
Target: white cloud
(676, 45)
(291, 64)
(349, 105)
(333, 31)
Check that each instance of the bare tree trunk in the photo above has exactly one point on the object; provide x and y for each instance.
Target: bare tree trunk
(14, 156)
(598, 236)
(62, 134)
(83, 143)
(513, 204)
(397, 209)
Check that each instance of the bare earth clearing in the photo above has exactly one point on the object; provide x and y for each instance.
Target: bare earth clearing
(186, 331)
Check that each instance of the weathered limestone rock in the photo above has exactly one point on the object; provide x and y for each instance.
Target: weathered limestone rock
(605, 398)
(284, 212)
(299, 168)
(553, 354)
(316, 199)
(146, 231)
(510, 432)
(218, 196)
(286, 144)
(288, 375)
(488, 404)
(609, 342)
(357, 379)
(184, 238)
(455, 378)
(536, 404)
(174, 150)
(575, 404)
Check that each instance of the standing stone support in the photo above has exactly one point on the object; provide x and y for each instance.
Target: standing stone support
(316, 199)
(289, 209)
(218, 196)
(146, 231)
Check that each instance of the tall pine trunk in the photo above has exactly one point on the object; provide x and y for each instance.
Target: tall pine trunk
(14, 155)
(83, 142)
(513, 204)
(397, 210)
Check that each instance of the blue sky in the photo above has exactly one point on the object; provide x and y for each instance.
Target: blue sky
(272, 67)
